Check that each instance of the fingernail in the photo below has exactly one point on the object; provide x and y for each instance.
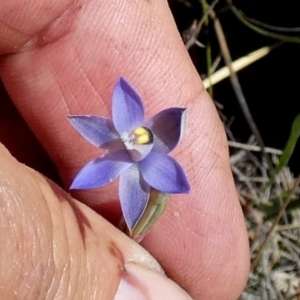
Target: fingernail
(143, 284)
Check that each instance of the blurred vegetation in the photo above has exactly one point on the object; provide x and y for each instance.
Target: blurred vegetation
(246, 53)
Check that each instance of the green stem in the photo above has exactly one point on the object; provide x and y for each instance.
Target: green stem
(205, 8)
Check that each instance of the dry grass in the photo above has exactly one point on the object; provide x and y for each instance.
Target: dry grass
(276, 275)
(271, 211)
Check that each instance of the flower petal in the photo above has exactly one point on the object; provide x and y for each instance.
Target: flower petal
(127, 108)
(168, 128)
(164, 174)
(102, 170)
(95, 129)
(134, 196)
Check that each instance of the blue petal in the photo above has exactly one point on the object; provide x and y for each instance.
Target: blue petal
(97, 130)
(102, 171)
(134, 196)
(164, 174)
(168, 128)
(127, 108)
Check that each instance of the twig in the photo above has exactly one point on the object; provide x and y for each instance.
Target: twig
(253, 148)
(239, 64)
(288, 227)
(275, 222)
(237, 88)
(193, 38)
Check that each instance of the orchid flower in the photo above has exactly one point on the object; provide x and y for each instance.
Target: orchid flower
(137, 151)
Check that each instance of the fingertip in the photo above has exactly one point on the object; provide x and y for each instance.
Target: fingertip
(141, 283)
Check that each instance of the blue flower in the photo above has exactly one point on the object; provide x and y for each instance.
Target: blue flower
(136, 151)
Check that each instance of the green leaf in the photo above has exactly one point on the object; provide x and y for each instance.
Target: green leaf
(272, 208)
(288, 150)
(280, 37)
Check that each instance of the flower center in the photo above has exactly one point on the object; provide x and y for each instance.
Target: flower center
(141, 136)
(139, 142)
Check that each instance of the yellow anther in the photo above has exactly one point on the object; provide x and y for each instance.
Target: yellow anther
(142, 136)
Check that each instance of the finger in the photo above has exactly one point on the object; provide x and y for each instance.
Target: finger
(55, 247)
(138, 40)
(21, 20)
(42, 236)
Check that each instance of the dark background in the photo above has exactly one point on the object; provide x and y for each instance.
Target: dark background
(270, 85)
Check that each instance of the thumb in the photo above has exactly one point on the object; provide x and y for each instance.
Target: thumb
(52, 246)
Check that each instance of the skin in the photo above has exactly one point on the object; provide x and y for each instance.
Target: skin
(63, 57)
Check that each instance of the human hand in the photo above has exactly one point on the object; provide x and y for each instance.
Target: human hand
(60, 58)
